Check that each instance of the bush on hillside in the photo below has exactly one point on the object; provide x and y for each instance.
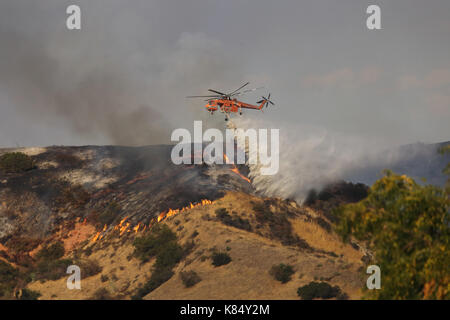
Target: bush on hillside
(28, 294)
(282, 272)
(53, 251)
(102, 294)
(236, 221)
(190, 278)
(153, 242)
(89, 267)
(52, 269)
(321, 290)
(161, 243)
(8, 278)
(14, 162)
(220, 259)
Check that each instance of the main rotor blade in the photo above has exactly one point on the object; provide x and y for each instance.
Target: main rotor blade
(249, 90)
(246, 91)
(215, 91)
(202, 96)
(239, 88)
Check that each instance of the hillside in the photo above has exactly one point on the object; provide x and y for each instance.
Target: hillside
(96, 201)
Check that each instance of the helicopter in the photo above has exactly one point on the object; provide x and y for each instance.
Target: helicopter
(227, 102)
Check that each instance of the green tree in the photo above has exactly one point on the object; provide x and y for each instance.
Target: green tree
(161, 243)
(407, 226)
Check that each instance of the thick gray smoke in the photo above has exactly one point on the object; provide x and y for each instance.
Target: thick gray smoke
(100, 84)
(312, 157)
(98, 101)
(124, 76)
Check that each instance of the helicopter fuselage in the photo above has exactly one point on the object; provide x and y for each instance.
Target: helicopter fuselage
(230, 105)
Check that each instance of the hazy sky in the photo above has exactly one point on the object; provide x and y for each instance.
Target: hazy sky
(123, 78)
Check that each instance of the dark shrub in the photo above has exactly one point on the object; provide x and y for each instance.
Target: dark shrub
(154, 242)
(194, 234)
(110, 214)
(88, 251)
(321, 222)
(89, 268)
(23, 244)
(158, 278)
(22, 259)
(52, 269)
(280, 227)
(169, 256)
(8, 278)
(241, 223)
(162, 243)
(282, 272)
(237, 222)
(262, 212)
(28, 294)
(222, 215)
(102, 294)
(14, 162)
(318, 290)
(51, 252)
(190, 278)
(220, 258)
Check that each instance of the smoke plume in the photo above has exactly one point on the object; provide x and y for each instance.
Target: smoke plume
(102, 85)
(312, 157)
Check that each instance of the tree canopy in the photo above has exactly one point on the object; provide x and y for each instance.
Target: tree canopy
(407, 227)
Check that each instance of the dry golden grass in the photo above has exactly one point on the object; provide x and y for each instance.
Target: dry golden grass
(321, 239)
(245, 277)
(124, 275)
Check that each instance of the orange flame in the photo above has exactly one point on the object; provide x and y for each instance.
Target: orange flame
(122, 221)
(172, 212)
(124, 226)
(95, 237)
(235, 169)
(161, 216)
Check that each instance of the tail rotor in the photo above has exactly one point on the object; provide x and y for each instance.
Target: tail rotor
(266, 101)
